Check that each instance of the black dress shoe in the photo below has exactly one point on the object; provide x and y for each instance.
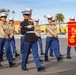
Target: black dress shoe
(25, 69)
(3, 52)
(13, 58)
(41, 68)
(1, 65)
(68, 57)
(2, 60)
(46, 60)
(42, 53)
(51, 55)
(59, 59)
(61, 55)
(17, 55)
(11, 64)
(30, 52)
(41, 60)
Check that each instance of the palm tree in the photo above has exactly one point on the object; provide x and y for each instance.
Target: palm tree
(13, 12)
(59, 18)
(8, 11)
(2, 10)
(45, 18)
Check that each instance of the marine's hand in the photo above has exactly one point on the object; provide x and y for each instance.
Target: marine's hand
(55, 35)
(10, 36)
(6, 37)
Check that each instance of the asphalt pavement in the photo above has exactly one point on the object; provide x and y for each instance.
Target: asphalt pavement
(64, 67)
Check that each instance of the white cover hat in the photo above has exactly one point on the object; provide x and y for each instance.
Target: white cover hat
(3, 14)
(37, 19)
(26, 12)
(28, 9)
(49, 16)
(72, 18)
(11, 18)
(53, 19)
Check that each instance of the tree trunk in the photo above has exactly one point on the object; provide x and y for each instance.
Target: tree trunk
(59, 27)
(45, 20)
(13, 15)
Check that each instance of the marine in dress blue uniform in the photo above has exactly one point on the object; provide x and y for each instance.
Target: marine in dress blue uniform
(30, 41)
(22, 24)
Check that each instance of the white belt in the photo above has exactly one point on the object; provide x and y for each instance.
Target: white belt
(30, 32)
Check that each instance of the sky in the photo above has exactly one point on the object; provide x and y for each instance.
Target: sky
(40, 8)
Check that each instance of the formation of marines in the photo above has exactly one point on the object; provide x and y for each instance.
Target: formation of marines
(30, 39)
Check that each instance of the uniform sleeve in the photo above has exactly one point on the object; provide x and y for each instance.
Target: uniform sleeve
(34, 28)
(11, 31)
(2, 31)
(35, 31)
(56, 30)
(23, 29)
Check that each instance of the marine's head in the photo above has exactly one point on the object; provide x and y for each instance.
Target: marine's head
(72, 19)
(27, 13)
(37, 21)
(3, 16)
(49, 18)
(11, 20)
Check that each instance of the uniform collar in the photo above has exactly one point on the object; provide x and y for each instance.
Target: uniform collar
(49, 23)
